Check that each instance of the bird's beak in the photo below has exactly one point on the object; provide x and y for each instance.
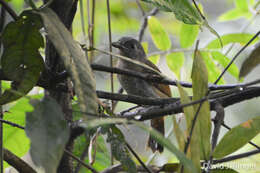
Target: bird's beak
(117, 45)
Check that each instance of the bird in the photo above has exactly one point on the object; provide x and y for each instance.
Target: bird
(131, 48)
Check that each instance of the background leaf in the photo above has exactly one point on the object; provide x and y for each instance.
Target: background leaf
(241, 38)
(213, 70)
(238, 136)
(15, 139)
(175, 62)
(48, 132)
(188, 35)
(224, 61)
(159, 35)
(250, 62)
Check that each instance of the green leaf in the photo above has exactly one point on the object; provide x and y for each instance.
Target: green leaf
(154, 59)
(241, 10)
(178, 134)
(188, 35)
(238, 136)
(250, 62)
(193, 150)
(182, 9)
(48, 132)
(223, 170)
(199, 77)
(74, 59)
(159, 35)
(213, 70)
(119, 150)
(175, 62)
(242, 4)
(156, 135)
(241, 38)
(21, 61)
(15, 139)
(234, 14)
(224, 61)
(170, 167)
(145, 47)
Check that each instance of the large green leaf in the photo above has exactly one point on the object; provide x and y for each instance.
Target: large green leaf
(74, 59)
(250, 62)
(48, 132)
(159, 35)
(224, 61)
(188, 35)
(21, 61)
(193, 151)
(241, 38)
(238, 136)
(199, 77)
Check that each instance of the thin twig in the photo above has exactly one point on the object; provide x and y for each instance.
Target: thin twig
(9, 9)
(11, 124)
(138, 158)
(195, 4)
(241, 31)
(144, 23)
(110, 49)
(140, 7)
(235, 57)
(91, 21)
(81, 162)
(235, 157)
(82, 157)
(82, 19)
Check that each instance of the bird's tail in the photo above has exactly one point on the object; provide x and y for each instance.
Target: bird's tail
(158, 124)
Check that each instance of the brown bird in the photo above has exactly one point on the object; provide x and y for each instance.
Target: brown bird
(131, 48)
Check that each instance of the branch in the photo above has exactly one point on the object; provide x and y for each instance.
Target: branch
(176, 107)
(144, 23)
(16, 162)
(157, 79)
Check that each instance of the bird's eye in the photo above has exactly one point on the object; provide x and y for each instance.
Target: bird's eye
(132, 46)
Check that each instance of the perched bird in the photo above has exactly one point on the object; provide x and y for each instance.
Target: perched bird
(131, 48)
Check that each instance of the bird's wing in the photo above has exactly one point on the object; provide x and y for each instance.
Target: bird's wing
(162, 89)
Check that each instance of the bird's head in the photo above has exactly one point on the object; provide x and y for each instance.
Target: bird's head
(130, 48)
